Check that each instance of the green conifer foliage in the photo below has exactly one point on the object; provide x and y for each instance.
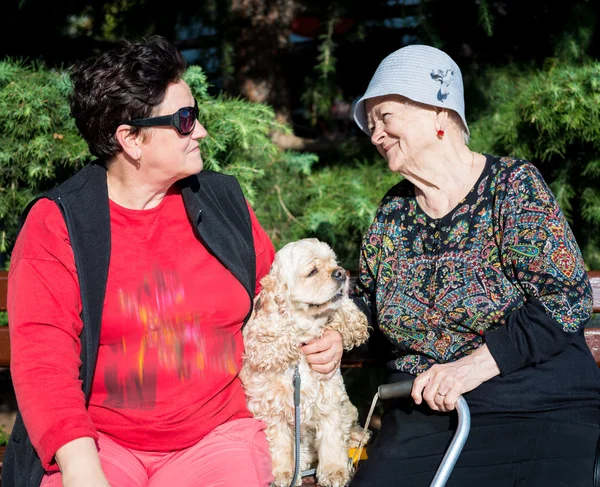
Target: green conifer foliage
(336, 203)
(39, 143)
(548, 116)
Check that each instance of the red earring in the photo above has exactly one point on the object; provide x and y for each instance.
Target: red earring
(440, 133)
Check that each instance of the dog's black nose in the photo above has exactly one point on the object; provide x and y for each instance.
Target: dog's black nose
(339, 275)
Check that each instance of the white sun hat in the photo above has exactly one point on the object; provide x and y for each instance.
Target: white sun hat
(421, 73)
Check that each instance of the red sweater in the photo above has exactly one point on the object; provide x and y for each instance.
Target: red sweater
(170, 345)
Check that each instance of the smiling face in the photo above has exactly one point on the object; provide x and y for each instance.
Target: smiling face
(315, 280)
(165, 154)
(401, 130)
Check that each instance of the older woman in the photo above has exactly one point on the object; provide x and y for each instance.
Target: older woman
(472, 273)
(133, 279)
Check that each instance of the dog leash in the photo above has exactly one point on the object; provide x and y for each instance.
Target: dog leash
(297, 383)
(312, 471)
(356, 458)
(353, 462)
(357, 455)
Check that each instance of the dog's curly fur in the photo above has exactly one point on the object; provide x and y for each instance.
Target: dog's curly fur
(304, 294)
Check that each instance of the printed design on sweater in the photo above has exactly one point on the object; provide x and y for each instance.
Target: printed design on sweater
(163, 343)
(439, 285)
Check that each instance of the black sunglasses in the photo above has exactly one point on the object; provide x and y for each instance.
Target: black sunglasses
(184, 120)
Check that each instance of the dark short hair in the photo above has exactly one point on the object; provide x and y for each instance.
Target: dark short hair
(122, 84)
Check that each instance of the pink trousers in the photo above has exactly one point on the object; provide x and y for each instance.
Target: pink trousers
(233, 455)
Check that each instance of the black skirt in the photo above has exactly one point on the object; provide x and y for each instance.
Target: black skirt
(499, 452)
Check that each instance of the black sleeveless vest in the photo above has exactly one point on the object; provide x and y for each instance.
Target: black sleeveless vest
(217, 210)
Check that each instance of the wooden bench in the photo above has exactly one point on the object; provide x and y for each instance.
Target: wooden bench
(356, 358)
(4, 340)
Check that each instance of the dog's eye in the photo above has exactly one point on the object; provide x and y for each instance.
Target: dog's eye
(312, 273)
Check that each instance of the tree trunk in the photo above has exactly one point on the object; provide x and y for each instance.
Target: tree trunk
(259, 34)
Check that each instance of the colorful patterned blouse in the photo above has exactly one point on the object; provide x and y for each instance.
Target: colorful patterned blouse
(439, 288)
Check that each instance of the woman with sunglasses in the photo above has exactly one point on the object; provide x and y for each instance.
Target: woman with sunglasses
(129, 286)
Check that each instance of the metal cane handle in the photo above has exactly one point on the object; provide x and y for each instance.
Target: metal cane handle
(402, 389)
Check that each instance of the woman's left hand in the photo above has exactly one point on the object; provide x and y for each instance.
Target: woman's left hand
(324, 354)
(441, 385)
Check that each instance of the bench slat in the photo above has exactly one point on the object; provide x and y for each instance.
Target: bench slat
(4, 347)
(3, 289)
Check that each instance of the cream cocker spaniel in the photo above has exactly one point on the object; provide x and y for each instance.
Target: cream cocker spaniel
(305, 293)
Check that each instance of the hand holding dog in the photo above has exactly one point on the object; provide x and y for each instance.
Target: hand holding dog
(441, 385)
(324, 354)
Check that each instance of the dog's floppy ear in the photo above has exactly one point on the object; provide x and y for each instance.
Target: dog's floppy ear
(273, 296)
(269, 337)
(351, 323)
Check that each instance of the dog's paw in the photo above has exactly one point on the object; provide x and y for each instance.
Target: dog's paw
(283, 478)
(333, 476)
(356, 435)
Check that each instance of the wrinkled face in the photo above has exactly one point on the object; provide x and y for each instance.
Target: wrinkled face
(315, 280)
(167, 155)
(401, 131)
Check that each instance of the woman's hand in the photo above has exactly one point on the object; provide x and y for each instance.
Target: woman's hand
(441, 385)
(79, 464)
(324, 354)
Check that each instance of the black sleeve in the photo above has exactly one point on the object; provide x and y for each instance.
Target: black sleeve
(530, 337)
